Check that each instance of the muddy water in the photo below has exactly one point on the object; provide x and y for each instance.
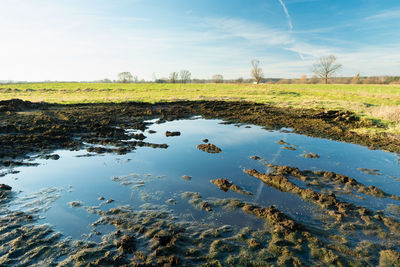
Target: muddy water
(63, 192)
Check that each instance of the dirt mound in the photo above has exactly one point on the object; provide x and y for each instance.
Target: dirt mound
(19, 105)
(209, 148)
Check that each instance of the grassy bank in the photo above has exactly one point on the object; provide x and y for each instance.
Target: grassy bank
(380, 102)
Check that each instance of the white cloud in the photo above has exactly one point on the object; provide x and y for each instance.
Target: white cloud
(386, 15)
(50, 41)
(289, 19)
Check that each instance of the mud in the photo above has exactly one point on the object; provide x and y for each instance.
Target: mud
(284, 242)
(209, 148)
(350, 216)
(38, 127)
(187, 177)
(328, 179)
(310, 155)
(154, 235)
(225, 185)
(169, 134)
(289, 148)
(4, 192)
(281, 142)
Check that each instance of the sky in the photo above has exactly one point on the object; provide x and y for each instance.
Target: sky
(83, 40)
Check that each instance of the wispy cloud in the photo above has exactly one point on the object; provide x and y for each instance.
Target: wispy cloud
(386, 15)
(53, 42)
(289, 19)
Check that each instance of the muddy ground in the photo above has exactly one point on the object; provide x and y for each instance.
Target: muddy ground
(27, 127)
(153, 236)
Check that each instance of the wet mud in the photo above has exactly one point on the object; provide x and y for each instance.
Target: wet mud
(349, 219)
(225, 185)
(39, 127)
(348, 234)
(320, 178)
(169, 134)
(209, 148)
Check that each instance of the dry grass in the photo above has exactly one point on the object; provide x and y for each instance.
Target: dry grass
(390, 113)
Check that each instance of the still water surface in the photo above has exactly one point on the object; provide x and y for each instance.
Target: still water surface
(154, 176)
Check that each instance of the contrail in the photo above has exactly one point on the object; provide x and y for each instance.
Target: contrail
(289, 20)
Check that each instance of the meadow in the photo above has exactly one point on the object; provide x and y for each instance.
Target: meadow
(380, 102)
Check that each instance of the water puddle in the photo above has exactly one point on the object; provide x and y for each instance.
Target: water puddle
(75, 191)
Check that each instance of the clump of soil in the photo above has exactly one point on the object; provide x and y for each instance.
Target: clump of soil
(310, 155)
(281, 142)
(289, 148)
(169, 134)
(195, 199)
(389, 258)
(225, 185)
(4, 192)
(52, 156)
(186, 177)
(75, 204)
(138, 136)
(209, 148)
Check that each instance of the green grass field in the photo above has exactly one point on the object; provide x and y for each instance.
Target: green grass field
(375, 101)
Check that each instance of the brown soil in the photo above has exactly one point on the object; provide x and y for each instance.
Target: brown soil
(209, 148)
(349, 215)
(169, 134)
(225, 185)
(311, 155)
(327, 178)
(154, 237)
(27, 127)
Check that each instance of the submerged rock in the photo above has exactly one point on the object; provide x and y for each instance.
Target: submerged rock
(209, 148)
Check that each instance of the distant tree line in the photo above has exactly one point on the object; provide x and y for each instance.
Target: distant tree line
(324, 69)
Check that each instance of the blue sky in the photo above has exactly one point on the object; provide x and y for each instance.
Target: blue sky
(96, 39)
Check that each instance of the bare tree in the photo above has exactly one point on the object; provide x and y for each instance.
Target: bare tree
(185, 76)
(217, 78)
(326, 67)
(125, 77)
(256, 72)
(356, 79)
(173, 77)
